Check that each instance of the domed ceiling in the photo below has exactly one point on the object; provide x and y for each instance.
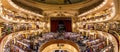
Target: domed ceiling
(39, 6)
(59, 2)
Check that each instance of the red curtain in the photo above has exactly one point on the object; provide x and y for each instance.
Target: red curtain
(68, 25)
(54, 25)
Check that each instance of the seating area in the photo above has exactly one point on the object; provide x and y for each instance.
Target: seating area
(32, 42)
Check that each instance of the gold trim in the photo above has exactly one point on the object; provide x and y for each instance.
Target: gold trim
(57, 42)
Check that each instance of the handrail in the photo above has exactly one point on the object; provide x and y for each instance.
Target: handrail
(117, 36)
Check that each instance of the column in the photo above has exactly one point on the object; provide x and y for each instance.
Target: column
(1, 31)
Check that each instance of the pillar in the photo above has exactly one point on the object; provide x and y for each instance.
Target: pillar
(1, 31)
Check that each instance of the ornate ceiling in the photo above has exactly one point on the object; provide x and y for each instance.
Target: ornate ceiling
(76, 7)
(40, 7)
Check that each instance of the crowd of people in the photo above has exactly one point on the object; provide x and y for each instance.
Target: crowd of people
(85, 41)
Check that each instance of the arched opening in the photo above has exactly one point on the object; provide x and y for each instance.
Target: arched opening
(59, 46)
(61, 24)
